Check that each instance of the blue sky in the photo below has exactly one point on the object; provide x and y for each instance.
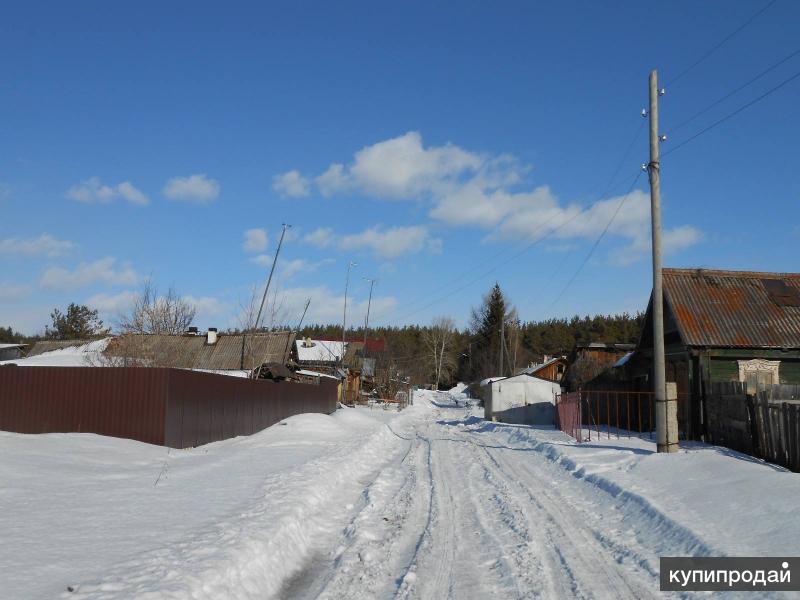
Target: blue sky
(430, 143)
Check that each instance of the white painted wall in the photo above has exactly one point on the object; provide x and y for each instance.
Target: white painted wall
(518, 392)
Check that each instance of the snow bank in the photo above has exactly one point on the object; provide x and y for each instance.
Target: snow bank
(721, 501)
(115, 518)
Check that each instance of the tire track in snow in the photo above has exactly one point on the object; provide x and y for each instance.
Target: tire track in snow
(590, 571)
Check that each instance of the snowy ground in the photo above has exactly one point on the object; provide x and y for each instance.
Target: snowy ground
(432, 502)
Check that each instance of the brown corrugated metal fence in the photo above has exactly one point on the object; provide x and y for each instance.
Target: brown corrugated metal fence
(204, 407)
(171, 407)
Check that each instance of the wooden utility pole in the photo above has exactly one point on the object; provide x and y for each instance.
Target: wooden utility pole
(271, 272)
(666, 408)
(263, 299)
(366, 328)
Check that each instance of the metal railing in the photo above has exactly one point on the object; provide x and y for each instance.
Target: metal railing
(606, 413)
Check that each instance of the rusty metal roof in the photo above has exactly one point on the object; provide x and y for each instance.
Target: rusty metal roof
(192, 351)
(733, 308)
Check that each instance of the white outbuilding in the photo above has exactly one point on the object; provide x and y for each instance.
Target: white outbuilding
(522, 399)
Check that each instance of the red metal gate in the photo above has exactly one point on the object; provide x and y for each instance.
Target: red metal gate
(568, 414)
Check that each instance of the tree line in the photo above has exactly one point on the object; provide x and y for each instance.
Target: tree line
(495, 341)
(441, 351)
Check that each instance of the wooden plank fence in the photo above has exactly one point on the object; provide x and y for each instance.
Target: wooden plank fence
(765, 424)
(777, 426)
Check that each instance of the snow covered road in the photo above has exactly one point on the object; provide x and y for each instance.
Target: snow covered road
(460, 517)
(432, 502)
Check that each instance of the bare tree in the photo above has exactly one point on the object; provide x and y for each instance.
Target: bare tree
(438, 339)
(152, 313)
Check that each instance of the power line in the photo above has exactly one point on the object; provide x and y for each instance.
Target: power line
(535, 232)
(597, 241)
(734, 91)
(494, 268)
(724, 40)
(732, 114)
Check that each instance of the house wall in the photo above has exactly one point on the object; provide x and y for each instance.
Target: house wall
(10, 353)
(723, 365)
(551, 371)
(524, 400)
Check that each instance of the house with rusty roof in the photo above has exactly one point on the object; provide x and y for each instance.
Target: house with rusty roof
(721, 326)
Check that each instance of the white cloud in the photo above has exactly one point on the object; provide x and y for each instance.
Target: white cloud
(207, 307)
(326, 306)
(333, 180)
(43, 245)
(291, 184)
(113, 304)
(131, 194)
(400, 168)
(321, 237)
(94, 190)
(262, 260)
(468, 189)
(255, 240)
(100, 271)
(388, 243)
(679, 238)
(195, 188)
(672, 241)
(301, 265)
(384, 243)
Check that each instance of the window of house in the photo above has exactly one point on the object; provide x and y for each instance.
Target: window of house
(759, 373)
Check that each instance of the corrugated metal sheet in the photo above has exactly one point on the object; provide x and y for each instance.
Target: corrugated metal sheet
(192, 351)
(49, 345)
(205, 408)
(731, 308)
(120, 402)
(171, 407)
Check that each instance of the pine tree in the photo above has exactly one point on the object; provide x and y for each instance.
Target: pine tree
(486, 325)
(79, 322)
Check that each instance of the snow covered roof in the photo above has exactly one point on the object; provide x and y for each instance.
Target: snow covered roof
(534, 368)
(319, 351)
(489, 380)
(4, 346)
(85, 355)
(520, 375)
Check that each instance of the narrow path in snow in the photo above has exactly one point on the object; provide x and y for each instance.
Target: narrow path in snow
(464, 516)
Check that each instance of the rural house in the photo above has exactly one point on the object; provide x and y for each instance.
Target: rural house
(588, 360)
(722, 326)
(226, 354)
(551, 368)
(11, 351)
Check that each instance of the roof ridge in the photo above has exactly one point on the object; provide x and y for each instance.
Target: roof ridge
(727, 273)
